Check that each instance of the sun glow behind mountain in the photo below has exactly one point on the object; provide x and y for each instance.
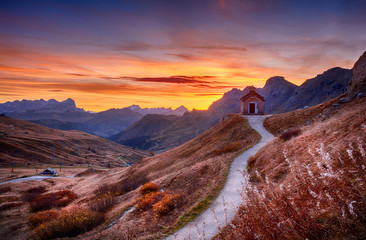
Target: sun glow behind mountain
(168, 53)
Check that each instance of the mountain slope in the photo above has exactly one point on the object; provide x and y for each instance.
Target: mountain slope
(309, 182)
(26, 142)
(197, 170)
(276, 92)
(194, 171)
(282, 96)
(159, 132)
(323, 87)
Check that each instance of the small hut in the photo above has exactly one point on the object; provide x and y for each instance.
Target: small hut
(49, 171)
(252, 103)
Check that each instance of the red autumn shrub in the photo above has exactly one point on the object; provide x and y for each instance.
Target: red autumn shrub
(51, 200)
(166, 204)
(149, 188)
(148, 200)
(42, 217)
(70, 223)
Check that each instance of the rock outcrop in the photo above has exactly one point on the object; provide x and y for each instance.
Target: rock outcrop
(357, 85)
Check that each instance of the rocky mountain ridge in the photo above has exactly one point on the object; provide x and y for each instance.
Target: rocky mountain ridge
(283, 96)
(64, 115)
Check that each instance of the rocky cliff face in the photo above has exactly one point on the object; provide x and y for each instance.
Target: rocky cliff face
(276, 92)
(357, 85)
(323, 87)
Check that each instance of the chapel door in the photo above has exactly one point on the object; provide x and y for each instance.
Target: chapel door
(251, 108)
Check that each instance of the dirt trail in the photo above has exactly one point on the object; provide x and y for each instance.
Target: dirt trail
(224, 208)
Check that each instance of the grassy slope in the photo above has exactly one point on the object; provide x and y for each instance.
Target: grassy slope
(197, 169)
(26, 142)
(330, 135)
(160, 133)
(193, 169)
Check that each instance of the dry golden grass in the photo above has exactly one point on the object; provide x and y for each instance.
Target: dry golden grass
(193, 171)
(281, 122)
(25, 142)
(69, 223)
(311, 186)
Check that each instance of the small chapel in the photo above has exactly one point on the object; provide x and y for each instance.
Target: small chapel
(252, 103)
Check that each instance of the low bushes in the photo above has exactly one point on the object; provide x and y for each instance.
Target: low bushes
(148, 200)
(161, 202)
(204, 169)
(167, 204)
(290, 133)
(69, 223)
(33, 193)
(51, 200)
(43, 217)
(106, 194)
(5, 189)
(103, 202)
(121, 187)
(6, 206)
(149, 188)
(231, 147)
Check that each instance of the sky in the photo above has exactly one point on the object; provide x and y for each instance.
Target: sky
(155, 53)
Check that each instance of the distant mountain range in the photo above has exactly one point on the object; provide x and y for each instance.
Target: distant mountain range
(163, 111)
(159, 129)
(41, 105)
(66, 116)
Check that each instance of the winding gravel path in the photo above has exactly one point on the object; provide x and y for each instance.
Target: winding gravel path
(225, 206)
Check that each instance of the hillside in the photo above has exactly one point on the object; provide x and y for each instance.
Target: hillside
(192, 173)
(26, 142)
(323, 87)
(309, 182)
(318, 173)
(160, 133)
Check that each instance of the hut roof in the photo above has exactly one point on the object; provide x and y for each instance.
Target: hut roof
(251, 93)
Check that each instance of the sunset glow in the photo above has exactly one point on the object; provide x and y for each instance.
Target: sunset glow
(112, 54)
